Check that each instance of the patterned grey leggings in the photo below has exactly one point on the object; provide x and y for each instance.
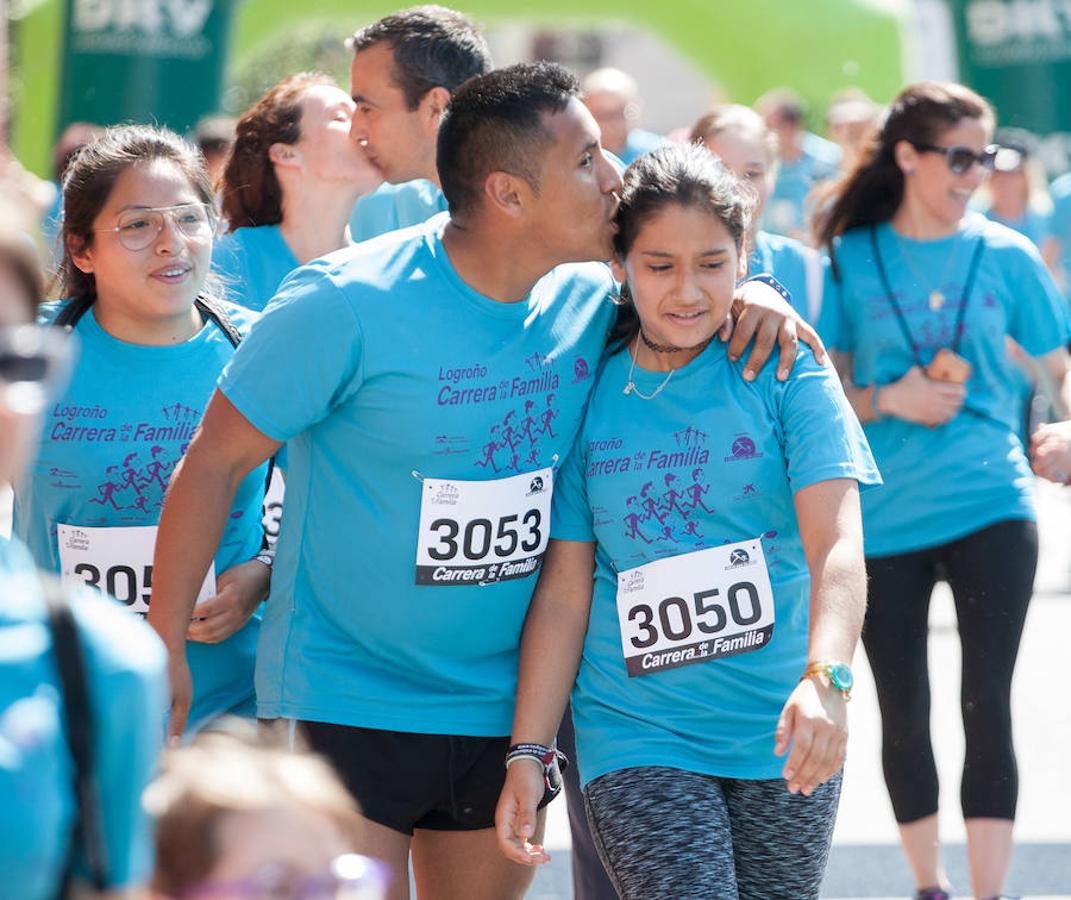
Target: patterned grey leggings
(668, 834)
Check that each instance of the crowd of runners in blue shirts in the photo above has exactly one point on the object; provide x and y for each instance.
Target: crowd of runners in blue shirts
(487, 446)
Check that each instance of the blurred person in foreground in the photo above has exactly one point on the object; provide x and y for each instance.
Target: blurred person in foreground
(237, 819)
(106, 711)
(613, 98)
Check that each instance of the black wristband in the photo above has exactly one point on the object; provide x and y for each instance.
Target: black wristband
(770, 281)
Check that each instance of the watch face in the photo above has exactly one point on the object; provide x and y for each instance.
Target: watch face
(841, 676)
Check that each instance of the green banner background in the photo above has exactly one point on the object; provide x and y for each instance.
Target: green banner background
(816, 46)
(159, 61)
(1017, 53)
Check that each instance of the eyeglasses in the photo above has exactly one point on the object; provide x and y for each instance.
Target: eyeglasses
(138, 228)
(34, 363)
(351, 877)
(960, 159)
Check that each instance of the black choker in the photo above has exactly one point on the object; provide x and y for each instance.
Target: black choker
(669, 348)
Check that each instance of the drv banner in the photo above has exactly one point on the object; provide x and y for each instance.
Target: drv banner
(1017, 53)
(158, 61)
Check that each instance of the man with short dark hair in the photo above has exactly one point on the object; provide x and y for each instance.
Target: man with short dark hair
(404, 69)
(427, 384)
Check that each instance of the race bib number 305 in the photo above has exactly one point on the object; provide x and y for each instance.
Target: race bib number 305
(480, 532)
(695, 607)
(117, 561)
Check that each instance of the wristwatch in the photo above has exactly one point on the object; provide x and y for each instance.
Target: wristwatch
(839, 675)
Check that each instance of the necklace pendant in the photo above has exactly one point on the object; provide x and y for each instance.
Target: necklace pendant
(937, 300)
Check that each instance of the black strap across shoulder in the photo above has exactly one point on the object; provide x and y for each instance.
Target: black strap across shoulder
(78, 720)
(209, 309)
(961, 313)
(212, 312)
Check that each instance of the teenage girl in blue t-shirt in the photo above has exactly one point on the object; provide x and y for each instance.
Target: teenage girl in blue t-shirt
(926, 297)
(721, 519)
(137, 241)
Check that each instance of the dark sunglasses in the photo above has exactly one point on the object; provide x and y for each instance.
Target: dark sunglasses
(960, 159)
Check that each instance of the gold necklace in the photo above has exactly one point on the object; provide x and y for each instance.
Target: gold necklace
(630, 386)
(936, 295)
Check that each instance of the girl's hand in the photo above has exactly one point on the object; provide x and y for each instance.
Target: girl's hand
(814, 722)
(239, 591)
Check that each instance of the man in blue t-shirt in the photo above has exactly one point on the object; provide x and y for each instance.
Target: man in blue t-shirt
(405, 66)
(427, 384)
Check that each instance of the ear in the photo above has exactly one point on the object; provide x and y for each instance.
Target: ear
(906, 156)
(433, 105)
(81, 253)
(284, 155)
(507, 193)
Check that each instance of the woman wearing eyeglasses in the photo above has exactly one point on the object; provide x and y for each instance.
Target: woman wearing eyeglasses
(137, 240)
(122, 665)
(923, 299)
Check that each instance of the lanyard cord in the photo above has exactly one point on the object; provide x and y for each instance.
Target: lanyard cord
(961, 313)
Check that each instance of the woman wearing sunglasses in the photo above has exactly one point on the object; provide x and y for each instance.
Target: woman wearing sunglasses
(122, 665)
(921, 303)
(137, 240)
(289, 186)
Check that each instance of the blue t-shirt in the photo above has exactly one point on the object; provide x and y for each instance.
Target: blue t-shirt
(639, 142)
(252, 263)
(394, 206)
(1032, 224)
(799, 268)
(1060, 225)
(380, 367)
(712, 460)
(125, 673)
(107, 450)
(786, 209)
(946, 482)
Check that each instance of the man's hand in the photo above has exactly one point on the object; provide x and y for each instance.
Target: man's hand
(239, 591)
(516, 817)
(761, 314)
(181, 684)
